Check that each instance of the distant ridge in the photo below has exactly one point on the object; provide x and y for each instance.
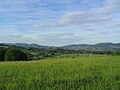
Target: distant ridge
(71, 47)
(25, 45)
(95, 46)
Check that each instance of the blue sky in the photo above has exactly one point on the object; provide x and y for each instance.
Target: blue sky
(59, 22)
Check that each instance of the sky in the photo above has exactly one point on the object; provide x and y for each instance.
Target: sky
(59, 22)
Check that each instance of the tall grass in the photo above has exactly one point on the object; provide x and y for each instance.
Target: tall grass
(81, 73)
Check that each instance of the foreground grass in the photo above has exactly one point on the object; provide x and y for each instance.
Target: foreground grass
(82, 73)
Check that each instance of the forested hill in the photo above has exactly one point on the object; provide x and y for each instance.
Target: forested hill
(25, 45)
(73, 47)
(95, 46)
(37, 52)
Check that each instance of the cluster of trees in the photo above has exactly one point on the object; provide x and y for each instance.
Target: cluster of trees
(37, 54)
(117, 52)
(2, 54)
(105, 52)
(12, 55)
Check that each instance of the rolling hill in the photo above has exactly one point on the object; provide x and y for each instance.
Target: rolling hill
(95, 46)
(107, 46)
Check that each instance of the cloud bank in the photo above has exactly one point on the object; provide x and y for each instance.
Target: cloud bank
(60, 22)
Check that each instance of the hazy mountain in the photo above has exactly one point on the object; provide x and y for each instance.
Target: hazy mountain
(25, 45)
(96, 46)
(74, 46)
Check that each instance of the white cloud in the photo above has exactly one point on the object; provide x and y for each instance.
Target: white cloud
(80, 26)
(111, 6)
(94, 16)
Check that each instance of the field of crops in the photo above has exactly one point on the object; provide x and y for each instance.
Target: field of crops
(71, 73)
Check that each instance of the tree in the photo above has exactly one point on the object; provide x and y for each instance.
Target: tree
(2, 54)
(117, 52)
(15, 55)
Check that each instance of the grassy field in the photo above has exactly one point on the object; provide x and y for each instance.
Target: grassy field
(61, 73)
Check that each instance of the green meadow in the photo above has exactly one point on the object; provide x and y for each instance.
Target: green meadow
(67, 72)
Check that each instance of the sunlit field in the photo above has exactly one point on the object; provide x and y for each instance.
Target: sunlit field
(62, 73)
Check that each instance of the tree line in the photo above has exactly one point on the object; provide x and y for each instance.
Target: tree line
(23, 54)
(12, 55)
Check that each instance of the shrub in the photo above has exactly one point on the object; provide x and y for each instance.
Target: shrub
(15, 55)
(116, 52)
(2, 54)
